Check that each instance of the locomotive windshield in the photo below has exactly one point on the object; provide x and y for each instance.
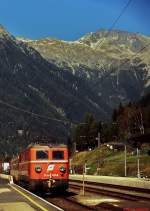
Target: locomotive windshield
(41, 154)
(56, 155)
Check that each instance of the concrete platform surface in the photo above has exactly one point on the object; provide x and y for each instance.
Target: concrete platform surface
(123, 181)
(16, 206)
(15, 198)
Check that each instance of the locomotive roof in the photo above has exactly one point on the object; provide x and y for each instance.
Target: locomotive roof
(36, 145)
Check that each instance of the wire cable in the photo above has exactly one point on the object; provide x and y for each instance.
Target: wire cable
(53, 119)
(30, 113)
(115, 21)
(123, 63)
(110, 29)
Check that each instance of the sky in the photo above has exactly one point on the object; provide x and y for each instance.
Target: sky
(72, 19)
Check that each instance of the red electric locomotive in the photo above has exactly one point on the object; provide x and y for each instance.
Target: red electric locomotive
(42, 166)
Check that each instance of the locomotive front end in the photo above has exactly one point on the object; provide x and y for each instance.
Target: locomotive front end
(49, 168)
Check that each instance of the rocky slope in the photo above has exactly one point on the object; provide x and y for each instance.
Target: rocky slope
(104, 61)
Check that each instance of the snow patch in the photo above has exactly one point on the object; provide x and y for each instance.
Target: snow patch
(33, 88)
(147, 83)
(22, 39)
(92, 102)
(17, 68)
(61, 111)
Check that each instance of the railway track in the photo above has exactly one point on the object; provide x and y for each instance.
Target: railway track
(68, 203)
(74, 201)
(124, 192)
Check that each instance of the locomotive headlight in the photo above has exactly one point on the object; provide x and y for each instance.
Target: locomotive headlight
(62, 169)
(38, 169)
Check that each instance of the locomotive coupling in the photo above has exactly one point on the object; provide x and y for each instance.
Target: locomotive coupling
(50, 183)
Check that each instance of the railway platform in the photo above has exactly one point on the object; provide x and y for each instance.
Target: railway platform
(15, 198)
(111, 180)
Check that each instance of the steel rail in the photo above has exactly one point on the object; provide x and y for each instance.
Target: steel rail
(131, 193)
(68, 204)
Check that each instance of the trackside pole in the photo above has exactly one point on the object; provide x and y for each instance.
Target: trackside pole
(84, 172)
(125, 160)
(83, 187)
(138, 163)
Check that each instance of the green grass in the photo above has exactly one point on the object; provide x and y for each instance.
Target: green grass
(111, 163)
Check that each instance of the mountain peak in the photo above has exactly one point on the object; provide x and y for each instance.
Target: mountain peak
(4, 33)
(23, 39)
(2, 29)
(105, 33)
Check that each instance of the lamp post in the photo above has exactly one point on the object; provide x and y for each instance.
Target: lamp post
(70, 166)
(83, 136)
(20, 132)
(138, 163)
(98, 138)
(141, 127)
(125, 160)
(83, 182)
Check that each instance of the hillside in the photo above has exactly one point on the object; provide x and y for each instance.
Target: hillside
(29, 82)
(111, 162)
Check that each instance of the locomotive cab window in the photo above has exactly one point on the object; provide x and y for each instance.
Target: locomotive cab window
(56, 155)
(41, 154)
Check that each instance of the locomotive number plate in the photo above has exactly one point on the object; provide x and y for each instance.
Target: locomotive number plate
(50, 167)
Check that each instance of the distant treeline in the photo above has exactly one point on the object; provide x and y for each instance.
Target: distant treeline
(127, 121)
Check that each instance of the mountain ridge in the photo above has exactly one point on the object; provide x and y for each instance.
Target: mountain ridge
(86, 59)
(64, 81)
(59, 45)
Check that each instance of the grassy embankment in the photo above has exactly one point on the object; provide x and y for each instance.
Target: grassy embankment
(110, 162)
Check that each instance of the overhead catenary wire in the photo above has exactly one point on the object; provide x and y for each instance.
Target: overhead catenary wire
(123, 63)
(106, 35)
(110, 29)
(35, 114)
(143, 48)
(44, 117)
(31, 113)
(115, 21)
